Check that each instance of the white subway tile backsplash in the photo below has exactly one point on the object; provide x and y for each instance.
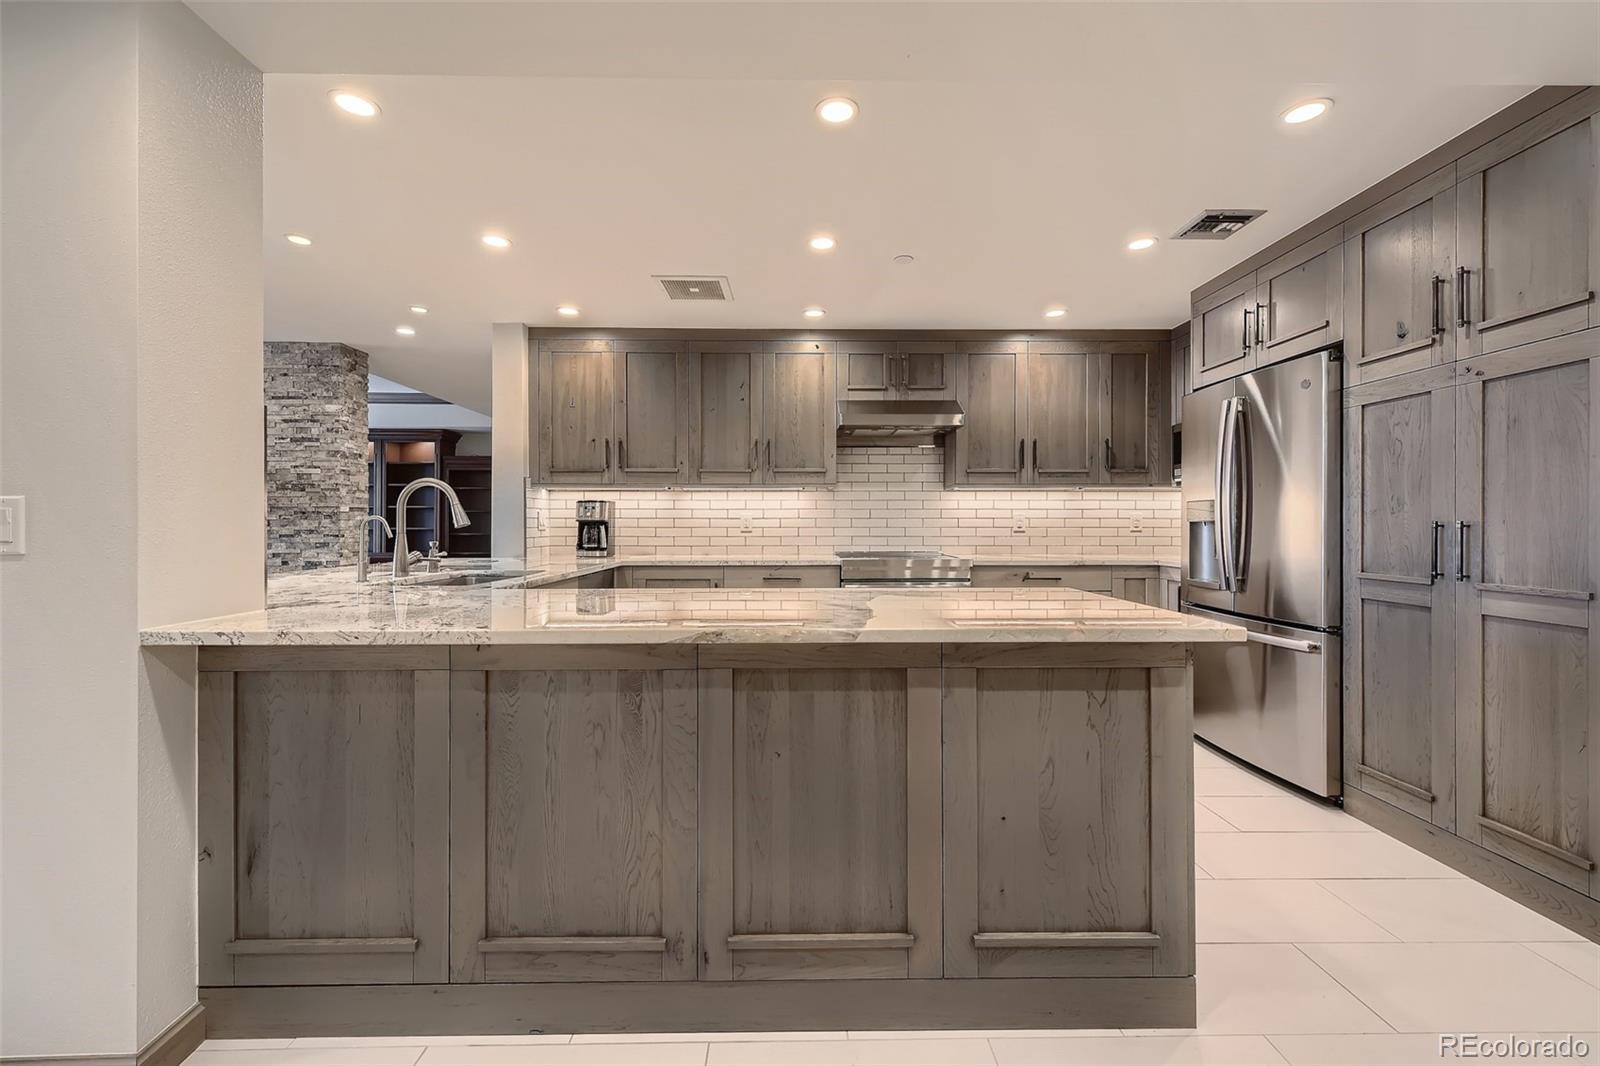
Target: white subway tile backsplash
(886, 498)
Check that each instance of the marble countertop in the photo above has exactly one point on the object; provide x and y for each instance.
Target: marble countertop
(330, 608)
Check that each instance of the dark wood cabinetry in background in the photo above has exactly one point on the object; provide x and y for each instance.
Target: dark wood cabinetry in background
(395, 458)
(469, 475)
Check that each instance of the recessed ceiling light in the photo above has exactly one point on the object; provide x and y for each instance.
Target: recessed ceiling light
(1055, 312)
(837, 110)
(358, 106)
(1139, 244)
(405, 331)
(495, 240)
(822, 243)
(1307, 111)
(567, 311)
(418, 309)
(814, 312)
(297, 238)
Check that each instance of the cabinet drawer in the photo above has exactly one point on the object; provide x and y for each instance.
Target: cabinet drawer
(757, 577)
(598, 579)
(1087, 578)
(669, 577)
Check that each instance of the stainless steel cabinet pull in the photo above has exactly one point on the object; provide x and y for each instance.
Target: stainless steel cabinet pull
(608, 454)
(1461, 296)
(1041, 577)
(1108, 454)
(1036, 455)
(1433, 562)
(1461, 551)
(778, 579)
(755, 455)
(622, 462)
(769, 454)
(1260, 315)
(1022, 455)
(1283, 642)
(1438, 315)
(1244, 336)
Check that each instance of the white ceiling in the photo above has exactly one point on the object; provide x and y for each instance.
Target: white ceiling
(1012, 148)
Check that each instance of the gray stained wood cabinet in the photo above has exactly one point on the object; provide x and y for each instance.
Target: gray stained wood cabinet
(763, 413)
(612, 413)
(663, 813)
(1399, 276)
(1221, 343)
(1138, 584)
(1055, 413)
(798, 417)
(726, 388)
(895, 370)
(324, 799)
(1528, 231)
(1472, 684)
(1300, 301)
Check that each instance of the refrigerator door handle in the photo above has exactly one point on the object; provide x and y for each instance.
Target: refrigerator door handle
(1306, 646)
(1239, 523)
(1223, 489)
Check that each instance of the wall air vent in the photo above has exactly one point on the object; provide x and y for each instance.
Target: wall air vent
(1217, 224)
(695, 286)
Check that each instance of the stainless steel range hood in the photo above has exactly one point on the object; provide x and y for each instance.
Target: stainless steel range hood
(897, 421)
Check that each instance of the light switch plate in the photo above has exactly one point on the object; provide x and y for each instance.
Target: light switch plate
(13, 525)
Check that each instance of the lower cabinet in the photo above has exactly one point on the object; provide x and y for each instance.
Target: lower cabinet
(1140, 584)
(323, 830)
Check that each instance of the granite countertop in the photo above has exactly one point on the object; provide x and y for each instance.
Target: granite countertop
(329, 608)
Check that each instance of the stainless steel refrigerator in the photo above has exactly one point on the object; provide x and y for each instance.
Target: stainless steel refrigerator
(1261, 549)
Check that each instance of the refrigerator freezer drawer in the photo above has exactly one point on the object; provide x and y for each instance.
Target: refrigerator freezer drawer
(1273, 701)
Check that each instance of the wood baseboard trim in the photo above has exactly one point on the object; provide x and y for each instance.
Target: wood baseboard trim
(701, 1006)
(1533, 890)
(169, 1048)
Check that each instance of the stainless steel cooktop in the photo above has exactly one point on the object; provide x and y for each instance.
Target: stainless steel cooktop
(903, 569)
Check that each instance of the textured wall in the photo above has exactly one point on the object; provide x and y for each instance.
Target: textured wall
(886, 498)
(316, 453)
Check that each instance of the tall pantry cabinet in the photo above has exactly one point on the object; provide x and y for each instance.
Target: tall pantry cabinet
(1472, 525)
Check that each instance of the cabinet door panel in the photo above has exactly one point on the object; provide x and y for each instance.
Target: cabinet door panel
(798, 415)
(575, 432)
(868, 371)
(324, 787)
(1400, 281)
(1299, 299)
(989, 449)
(820, 860)
(725, 422)
(650, 395)
(925, 370)
(1527, 241)
(1399, 687)
(1221, 344)
(1529, 646)
(1063, 413)
(1132, 403)
(574, 804)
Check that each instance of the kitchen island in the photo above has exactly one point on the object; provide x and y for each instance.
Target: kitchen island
(496, 808)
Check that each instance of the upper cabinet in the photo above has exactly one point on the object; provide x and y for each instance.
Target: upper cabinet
(1299, 301)
(798, 416)
(725, 390)
(575, 418)
(1221, 342)
(991, 386)
(1528, 229)
(1399, 267)
(651, 392)
(894, 370)
(1050, 413)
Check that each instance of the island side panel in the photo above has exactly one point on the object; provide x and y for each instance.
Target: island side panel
(585, 791)
(830, 811)
(1059, 840)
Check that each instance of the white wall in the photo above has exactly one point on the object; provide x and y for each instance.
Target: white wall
(130, 416)
(511, 419)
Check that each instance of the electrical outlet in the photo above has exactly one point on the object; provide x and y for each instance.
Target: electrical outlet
(1136, 523)
(746, 524)
(1019, 523)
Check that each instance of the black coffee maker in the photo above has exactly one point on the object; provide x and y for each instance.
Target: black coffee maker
(594, 529)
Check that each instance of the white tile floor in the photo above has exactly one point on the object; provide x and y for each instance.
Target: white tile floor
(1321, 941)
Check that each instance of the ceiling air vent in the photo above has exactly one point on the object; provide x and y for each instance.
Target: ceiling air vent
(1217, 224)
(695, 287)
